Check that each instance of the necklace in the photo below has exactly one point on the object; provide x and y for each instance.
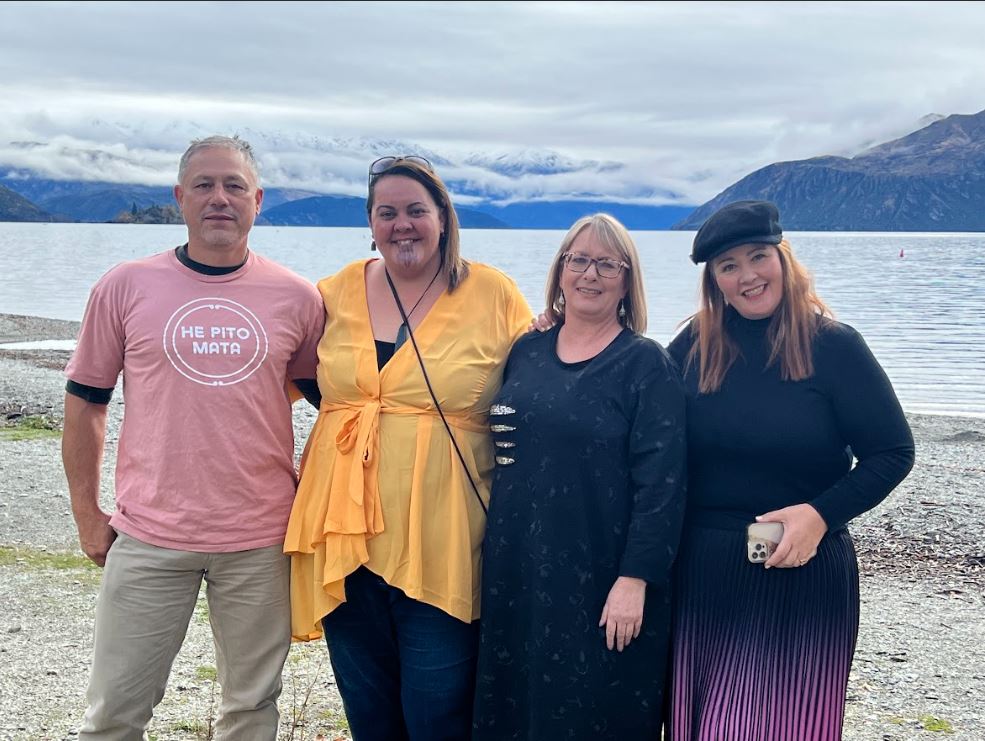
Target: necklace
(402, 329)
(425, 293)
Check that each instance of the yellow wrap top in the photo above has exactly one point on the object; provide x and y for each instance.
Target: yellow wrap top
(381, 484)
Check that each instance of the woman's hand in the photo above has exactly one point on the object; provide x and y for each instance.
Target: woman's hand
(622, 615)
(541, 323)
(803, 529)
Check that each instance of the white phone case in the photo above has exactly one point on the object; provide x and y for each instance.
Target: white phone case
(762, 538)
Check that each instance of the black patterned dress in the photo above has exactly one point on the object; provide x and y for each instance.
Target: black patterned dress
(589, 486)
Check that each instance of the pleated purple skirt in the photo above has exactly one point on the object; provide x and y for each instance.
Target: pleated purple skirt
(761, 655)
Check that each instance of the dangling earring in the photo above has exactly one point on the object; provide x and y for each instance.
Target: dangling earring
(622, 309)
(372, 246)
(560, 300)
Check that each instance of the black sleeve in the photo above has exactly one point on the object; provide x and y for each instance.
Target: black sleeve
(680, 346)
(309, 387)
(658, 464)
(869, 417)
(92, 394)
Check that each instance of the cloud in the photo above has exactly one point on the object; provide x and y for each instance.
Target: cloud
(685, 98)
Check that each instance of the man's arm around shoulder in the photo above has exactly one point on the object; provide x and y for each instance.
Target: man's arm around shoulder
(82, 456)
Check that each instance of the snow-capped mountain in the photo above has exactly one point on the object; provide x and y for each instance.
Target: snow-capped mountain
(534, 162)
(121, 162)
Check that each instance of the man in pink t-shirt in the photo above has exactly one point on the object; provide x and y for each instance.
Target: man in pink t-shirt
(207, 337)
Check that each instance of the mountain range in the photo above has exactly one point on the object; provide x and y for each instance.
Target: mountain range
(932, 179)
(85, 201)
(15, 207)
(351, 211)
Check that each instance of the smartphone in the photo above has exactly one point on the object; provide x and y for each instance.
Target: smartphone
(762, 538)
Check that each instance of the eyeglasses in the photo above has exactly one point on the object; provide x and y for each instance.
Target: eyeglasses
(604, 266)
(385, 163)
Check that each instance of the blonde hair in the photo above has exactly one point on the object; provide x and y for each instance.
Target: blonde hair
(791, 331)
(454, 267)
(614, 236)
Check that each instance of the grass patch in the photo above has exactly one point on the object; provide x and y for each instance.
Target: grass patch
(207, 673)
(31, 427)
(190, 726)
(335, 719)
(937, 725)
(38, 559)
(201, 614)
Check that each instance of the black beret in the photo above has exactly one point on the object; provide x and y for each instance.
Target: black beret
(742, 222)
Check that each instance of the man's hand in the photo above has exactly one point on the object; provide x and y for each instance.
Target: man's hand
(82, 455)
(622, 615)
(95, 536)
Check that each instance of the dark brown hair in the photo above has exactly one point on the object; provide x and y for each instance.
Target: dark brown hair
(455, 268)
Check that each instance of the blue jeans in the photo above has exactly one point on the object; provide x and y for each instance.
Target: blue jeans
(405, 670)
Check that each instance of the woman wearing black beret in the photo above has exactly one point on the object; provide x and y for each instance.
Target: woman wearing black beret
(780, 400)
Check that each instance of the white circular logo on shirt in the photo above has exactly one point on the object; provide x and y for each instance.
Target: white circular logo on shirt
(215, 341)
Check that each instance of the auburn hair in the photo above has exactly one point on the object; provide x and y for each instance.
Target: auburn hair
(791, 331)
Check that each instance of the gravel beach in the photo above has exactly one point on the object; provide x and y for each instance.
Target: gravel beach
(919, 670)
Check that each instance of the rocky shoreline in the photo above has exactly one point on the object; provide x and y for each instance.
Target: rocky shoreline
(919, 670)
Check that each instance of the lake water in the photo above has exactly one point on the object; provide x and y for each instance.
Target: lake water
(922, 314)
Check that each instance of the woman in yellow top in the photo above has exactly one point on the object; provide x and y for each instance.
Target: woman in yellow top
(387, 527)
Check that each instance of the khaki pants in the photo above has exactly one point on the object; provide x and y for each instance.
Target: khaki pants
(145, 603)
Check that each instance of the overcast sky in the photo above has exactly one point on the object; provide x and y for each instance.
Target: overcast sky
(670, 101)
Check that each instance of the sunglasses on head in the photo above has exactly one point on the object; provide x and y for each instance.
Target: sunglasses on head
(385, 163)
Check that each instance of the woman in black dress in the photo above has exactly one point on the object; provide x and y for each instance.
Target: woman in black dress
(586, 509)
(780, 399)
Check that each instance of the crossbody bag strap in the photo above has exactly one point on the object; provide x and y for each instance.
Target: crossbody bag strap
(420, 360)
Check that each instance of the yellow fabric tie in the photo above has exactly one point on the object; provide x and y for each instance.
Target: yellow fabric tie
(356, 442)
(354, 506)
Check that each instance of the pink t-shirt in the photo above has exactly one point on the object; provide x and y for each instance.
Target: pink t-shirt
(205, 460)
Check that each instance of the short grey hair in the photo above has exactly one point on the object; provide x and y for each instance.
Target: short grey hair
(225, 142)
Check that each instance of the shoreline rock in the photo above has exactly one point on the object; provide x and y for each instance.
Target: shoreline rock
(23, 328)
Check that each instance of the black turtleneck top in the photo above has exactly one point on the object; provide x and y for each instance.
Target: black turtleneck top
(761, 443)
